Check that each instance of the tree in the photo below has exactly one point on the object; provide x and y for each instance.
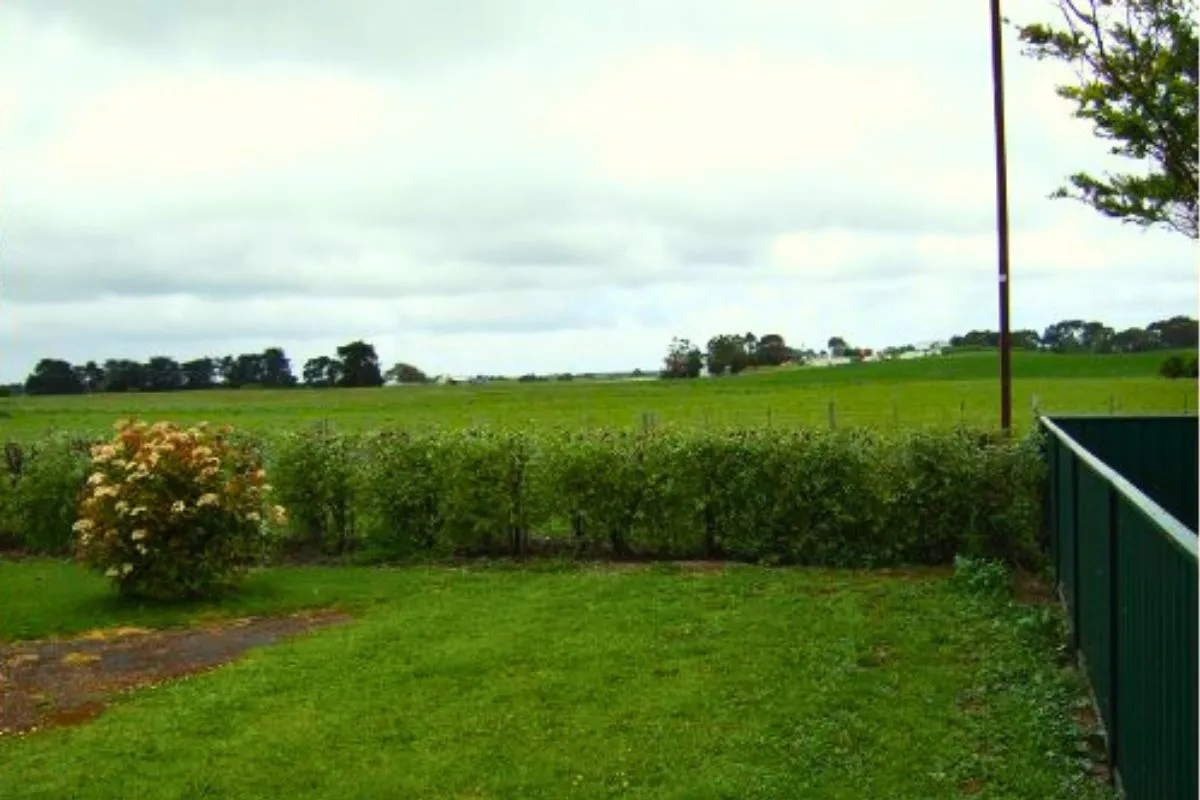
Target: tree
(1097, 337)
(1025, 339)
(728, 352)
(1133, 340)
(1064, 336)
(91, 375)
(405, 373)
(245, 370)
(360, 365)
(163, 374)
(226, 369)
(683, 360)
(276, 369)
(1136, 65)
(771, 351)
(322, 372)
(53, 376)
(1176, 333)
(199, 373)
(976, 339)
(750, 344)
(124, 375)
(837, 346)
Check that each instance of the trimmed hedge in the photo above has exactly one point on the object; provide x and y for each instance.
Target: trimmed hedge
(40, 491)
(849, 498)
(844, 498)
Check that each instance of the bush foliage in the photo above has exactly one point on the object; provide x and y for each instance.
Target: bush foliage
(849, 498)
(844, 498)
(40, 492)
(172, 514)
(1178, 367)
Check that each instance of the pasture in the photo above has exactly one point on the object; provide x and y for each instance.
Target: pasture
(568, 678)
(573, 681)
(925, 392)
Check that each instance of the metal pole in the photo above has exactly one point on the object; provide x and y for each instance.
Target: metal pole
(1001, 218)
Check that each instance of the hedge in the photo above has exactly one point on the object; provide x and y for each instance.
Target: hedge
(841, 498)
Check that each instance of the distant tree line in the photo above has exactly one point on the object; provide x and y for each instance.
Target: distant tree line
(727, 353)
(1080, 336)
(732, 353)
(355, 364)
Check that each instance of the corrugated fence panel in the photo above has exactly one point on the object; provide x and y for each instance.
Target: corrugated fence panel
(1066, 525)
(1159, 455)
(1095, 610)
(1128, 575)
(1157, 641)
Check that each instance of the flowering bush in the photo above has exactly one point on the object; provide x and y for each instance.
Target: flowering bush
(170, 513)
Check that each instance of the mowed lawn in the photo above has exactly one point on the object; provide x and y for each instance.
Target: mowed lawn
(573, 682)
(934, 391)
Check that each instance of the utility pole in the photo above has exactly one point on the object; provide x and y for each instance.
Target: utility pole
(1001, 218)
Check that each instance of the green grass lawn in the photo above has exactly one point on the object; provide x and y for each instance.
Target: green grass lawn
(574, 683)
(933, 391)
(44, 597)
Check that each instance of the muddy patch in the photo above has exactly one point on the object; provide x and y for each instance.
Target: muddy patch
(1033, 589)
(68, 681)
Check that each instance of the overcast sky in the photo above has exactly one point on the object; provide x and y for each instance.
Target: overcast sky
(504, 186)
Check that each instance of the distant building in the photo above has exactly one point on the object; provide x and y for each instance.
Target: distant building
(827, 361)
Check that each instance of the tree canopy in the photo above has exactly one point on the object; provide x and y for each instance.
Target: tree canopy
(405, 373)
(1136, 69)
(683, 360)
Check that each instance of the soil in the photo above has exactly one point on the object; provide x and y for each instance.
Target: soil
(68, 681)
(1033, 589)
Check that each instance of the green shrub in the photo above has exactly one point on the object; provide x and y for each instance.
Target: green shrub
(620, 492)
(486, 502)
(849, 498)
(1173, 367)
(314, 475)
(670, 521)
(828, 498)
(1007, 490)
(981, 577)
(172, 514)
(399, 492)
(42, 496)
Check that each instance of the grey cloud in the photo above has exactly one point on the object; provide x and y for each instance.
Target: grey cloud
(413, 32)
(502, 186)
(405, 31)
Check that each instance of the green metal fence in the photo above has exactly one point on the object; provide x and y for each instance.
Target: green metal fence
(1156, 454)
(1126, 571)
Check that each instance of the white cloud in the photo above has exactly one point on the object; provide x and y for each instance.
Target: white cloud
(537, 186)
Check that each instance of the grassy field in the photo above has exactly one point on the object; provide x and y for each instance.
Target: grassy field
(575, 683)
(931, 391)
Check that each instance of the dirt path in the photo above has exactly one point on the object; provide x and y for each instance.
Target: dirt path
(66, 681)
